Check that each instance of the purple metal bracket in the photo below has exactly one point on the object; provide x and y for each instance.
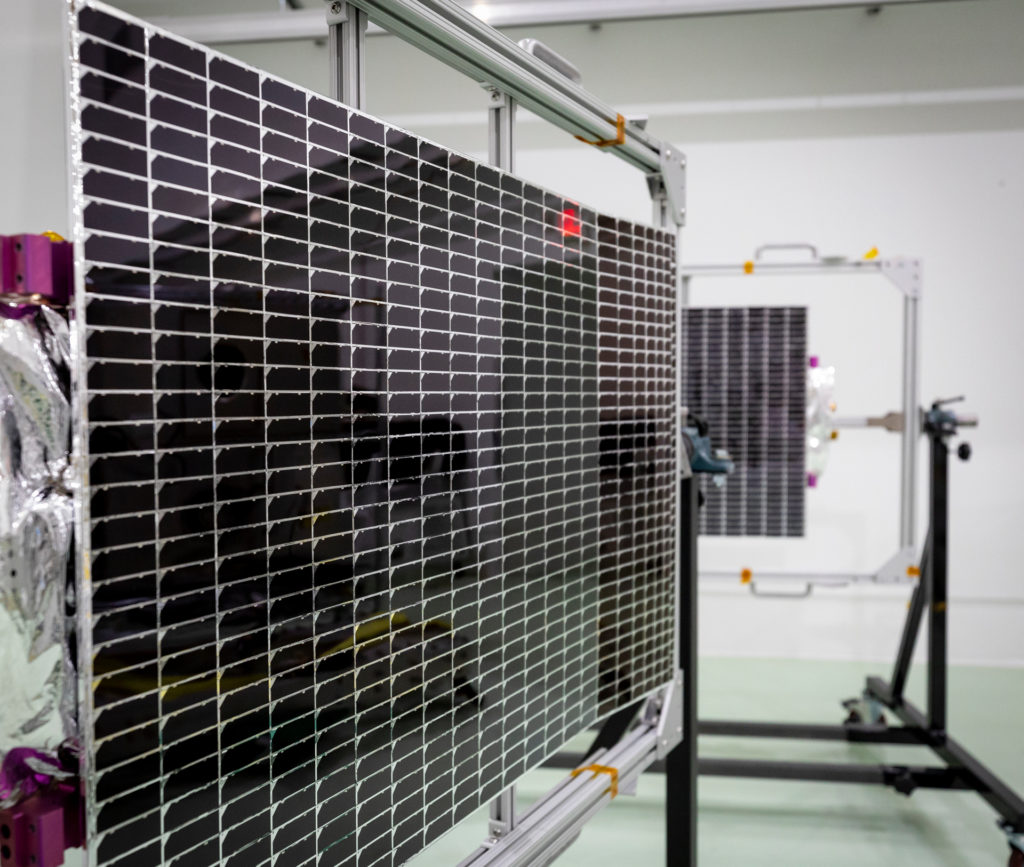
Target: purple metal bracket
(37, 268)
(48, 817)
(37, 831)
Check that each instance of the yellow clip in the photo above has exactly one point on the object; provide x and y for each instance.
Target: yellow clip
(620, 135)
(602, 769)
(834, 435)
(748, 267)
(53, 236)
(746, 576)
(872, 253)
(913, 572)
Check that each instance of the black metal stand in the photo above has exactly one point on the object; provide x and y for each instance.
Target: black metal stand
(681, 764)
(961, 770)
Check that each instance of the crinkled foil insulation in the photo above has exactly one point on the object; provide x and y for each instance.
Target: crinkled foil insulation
(37, 682)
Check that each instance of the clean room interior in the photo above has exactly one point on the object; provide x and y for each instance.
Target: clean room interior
(879, 133)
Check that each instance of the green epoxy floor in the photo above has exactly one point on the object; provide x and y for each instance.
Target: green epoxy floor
(785, 823)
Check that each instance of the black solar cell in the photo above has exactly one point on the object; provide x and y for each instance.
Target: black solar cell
(745, 372)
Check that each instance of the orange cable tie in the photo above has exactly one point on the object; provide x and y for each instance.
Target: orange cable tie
(620, 135)
(602, 769)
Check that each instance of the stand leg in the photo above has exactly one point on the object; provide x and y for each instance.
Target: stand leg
(911, 627)
(937, 584)
(681, 764)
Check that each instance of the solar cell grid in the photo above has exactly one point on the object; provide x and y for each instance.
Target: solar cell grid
(745, 372)
(378, 466)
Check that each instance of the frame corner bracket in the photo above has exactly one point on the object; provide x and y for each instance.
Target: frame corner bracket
(668, 185)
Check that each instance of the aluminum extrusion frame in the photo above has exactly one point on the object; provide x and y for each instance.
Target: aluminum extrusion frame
(455, 36)
(551, 825)
(905, 274)
(306, 24)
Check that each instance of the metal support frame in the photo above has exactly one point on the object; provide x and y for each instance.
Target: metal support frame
(551, 825)
(937, 583)
(681, 763)
(927, 728)
(501, 131)
(503, 814)
(305, 24)
(346, 25)
(455, 36)
(960, 769)
(501, 128)
(905, 275)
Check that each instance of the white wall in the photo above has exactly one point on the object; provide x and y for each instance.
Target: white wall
(904, 130)
(957, 201)
(32, 142)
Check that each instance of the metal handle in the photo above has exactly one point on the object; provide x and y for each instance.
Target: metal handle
(774, 594)
(551, 58)
(797, 246)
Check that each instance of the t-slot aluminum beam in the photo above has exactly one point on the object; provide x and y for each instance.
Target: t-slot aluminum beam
(501, 131)
(446, 31)
(346, 28)
(277, 26)
(548, 828)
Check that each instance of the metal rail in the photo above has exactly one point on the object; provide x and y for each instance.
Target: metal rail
(455, 36)
(861, 733)
(816, 266)
(549, 827)
(308, 24)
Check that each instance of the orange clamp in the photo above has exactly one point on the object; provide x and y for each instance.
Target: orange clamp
(746, 576)
(602, 769)
(620, 135)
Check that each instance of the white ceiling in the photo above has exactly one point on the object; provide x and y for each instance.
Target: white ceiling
(536, 9)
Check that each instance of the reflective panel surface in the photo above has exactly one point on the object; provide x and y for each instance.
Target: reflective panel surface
(745, 371)
(378, 466)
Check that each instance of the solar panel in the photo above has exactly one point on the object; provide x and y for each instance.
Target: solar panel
(378, 470)
(745, 372)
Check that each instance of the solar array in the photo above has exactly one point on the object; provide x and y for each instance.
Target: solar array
(378, 471)
(745, 372)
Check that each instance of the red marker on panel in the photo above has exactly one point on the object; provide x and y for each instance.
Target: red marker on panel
(570, 223)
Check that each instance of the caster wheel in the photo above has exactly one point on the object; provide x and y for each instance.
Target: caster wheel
(853, 718)
(1016, 858)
